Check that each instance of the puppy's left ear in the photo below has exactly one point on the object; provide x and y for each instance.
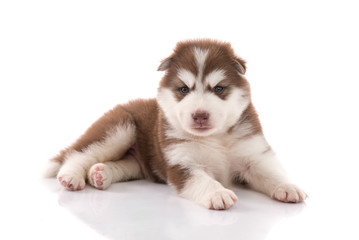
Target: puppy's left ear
(240, 65)
(165, 64)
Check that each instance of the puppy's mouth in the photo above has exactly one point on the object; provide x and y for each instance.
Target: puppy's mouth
(201, 127)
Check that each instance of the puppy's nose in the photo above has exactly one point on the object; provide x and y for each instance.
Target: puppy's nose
(200, 117)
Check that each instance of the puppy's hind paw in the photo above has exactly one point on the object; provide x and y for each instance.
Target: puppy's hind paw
(71, 182)
(100, 176)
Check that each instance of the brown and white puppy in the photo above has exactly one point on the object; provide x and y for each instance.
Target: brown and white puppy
(200, 135)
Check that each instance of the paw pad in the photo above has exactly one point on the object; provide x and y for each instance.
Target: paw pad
(99, 176)
(71, 182)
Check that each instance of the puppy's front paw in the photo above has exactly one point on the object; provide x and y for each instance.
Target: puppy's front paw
(71, 182)
(289, 193)
(220, 199)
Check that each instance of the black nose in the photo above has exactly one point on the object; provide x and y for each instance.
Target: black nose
(200, 117)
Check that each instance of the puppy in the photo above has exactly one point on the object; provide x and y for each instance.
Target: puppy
(200, 135)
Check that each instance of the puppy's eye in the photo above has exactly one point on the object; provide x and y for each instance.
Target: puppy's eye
(184, 90)
(218, 89)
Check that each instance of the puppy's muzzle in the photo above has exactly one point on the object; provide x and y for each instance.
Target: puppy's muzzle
(200, 117)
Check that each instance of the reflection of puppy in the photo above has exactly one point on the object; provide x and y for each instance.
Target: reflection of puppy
(199, 135)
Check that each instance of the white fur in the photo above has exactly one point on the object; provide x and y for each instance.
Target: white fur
(214, 77)
(200, 56)
(204, 190)
(215, 161)
(101, 175)
(222, 116)
(167, 101)
(250, 146)
(201, 154)
(207, 159)
(187, 77)
(51, 169)
(74, 169)
(243, 130)
(259, 166)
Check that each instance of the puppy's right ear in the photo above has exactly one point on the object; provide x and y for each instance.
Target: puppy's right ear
(165, 64)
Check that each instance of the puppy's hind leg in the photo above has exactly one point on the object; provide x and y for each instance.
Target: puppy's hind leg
(107, 139)
(73, 172)
(101, 175)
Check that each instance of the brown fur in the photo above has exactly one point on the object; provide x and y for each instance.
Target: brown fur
(145, 115)
(250, 116)
(98, 130)
(220, 56)
(178, 176)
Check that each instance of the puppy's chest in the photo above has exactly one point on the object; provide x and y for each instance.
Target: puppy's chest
(212, 155)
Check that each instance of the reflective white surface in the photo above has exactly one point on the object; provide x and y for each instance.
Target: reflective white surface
(145, 210)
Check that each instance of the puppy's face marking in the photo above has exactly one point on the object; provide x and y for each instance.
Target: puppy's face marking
(203, 92)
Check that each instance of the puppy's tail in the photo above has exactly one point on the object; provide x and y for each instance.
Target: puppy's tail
(52, 167)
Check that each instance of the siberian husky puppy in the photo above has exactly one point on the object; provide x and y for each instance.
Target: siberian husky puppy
(200, 135)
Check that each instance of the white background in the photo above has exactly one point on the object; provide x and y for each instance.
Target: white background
(64, 63)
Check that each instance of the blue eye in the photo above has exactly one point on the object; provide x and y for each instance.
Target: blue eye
(184, 90)
(218, 89)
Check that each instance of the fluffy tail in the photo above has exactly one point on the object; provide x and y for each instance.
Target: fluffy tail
(53, 166)
(51, 169)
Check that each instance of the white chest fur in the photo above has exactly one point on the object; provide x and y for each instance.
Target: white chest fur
(211, 155)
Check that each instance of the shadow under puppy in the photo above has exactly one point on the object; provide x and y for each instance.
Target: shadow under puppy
(199, 135)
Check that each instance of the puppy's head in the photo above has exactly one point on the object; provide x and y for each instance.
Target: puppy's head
(203, 91)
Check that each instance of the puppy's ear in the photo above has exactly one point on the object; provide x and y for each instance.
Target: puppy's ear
(240, 65)
(165, 64)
